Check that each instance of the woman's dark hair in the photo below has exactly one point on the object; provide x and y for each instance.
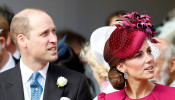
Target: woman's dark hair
(116, 78)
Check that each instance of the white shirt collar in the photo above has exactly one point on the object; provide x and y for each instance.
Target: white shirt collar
(26, 72)
(10, 63)
(16, 54)
(172, 84)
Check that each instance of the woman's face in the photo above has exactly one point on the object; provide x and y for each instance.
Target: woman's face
(140, 66)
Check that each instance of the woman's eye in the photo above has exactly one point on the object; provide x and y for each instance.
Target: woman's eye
(138, 55)
(149, 51)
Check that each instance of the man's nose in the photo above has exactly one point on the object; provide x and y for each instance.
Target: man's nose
(53, 38)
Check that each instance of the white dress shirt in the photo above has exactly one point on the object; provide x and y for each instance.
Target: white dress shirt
(16, 54)
(10, 63)
(26, 73)
(172, 84)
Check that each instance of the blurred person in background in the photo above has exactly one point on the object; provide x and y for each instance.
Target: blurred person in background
(165, 64)
(167, 29)
(8, 15)
(113, 17)
(92, 54)
(73, 39)
(69, 59)
(6, 59)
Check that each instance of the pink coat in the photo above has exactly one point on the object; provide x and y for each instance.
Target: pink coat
(160, 92)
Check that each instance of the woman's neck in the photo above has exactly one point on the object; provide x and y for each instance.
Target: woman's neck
(138, 88)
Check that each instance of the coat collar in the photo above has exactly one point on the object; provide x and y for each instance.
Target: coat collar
(52, 91)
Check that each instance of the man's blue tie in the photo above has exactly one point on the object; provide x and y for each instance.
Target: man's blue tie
(36, 88)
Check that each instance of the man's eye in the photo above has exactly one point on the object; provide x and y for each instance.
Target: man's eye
(44, 33)
(54, 31)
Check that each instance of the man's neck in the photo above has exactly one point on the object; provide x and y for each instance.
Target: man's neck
(34, 65)
(12, 48)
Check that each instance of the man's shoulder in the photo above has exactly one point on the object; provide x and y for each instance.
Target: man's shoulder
(7, 71)
(10, 76)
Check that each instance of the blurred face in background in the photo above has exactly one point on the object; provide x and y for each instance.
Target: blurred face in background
(0, 52)
(162, 63)
(161, 71)
(114, 20)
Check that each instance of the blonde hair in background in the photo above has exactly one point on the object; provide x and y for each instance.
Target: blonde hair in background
(86, 55)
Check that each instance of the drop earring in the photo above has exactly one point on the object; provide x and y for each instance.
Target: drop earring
(125, 75)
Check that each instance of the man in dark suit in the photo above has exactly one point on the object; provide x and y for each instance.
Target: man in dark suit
(6, 59)
(6, 12)
(34, 78)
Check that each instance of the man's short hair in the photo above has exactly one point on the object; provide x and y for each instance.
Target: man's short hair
(20, 23)
(6, 13)
(168, 52)
(4, 27)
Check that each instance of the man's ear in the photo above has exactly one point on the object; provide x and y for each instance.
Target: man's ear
(9, 39)
(21, 39)
(121, 67)
(171, 67)
(3, 42)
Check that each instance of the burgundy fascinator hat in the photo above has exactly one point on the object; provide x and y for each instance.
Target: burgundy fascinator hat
(128, 37)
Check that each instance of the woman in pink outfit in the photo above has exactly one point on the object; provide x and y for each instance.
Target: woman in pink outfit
(128, 51)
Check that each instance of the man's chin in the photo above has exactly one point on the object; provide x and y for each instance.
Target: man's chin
(53, 58)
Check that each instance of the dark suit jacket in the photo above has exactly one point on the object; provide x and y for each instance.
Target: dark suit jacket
(77, 88)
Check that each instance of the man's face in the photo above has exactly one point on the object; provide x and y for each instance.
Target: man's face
(113, 20)
(42, 41)
(2, 47)
(0, 52)
(161, 74)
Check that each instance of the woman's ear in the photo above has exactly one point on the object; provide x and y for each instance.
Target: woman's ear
(3, 42)
(121, 67)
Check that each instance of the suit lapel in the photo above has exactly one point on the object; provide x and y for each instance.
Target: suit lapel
(12, 84)
(52, 92)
